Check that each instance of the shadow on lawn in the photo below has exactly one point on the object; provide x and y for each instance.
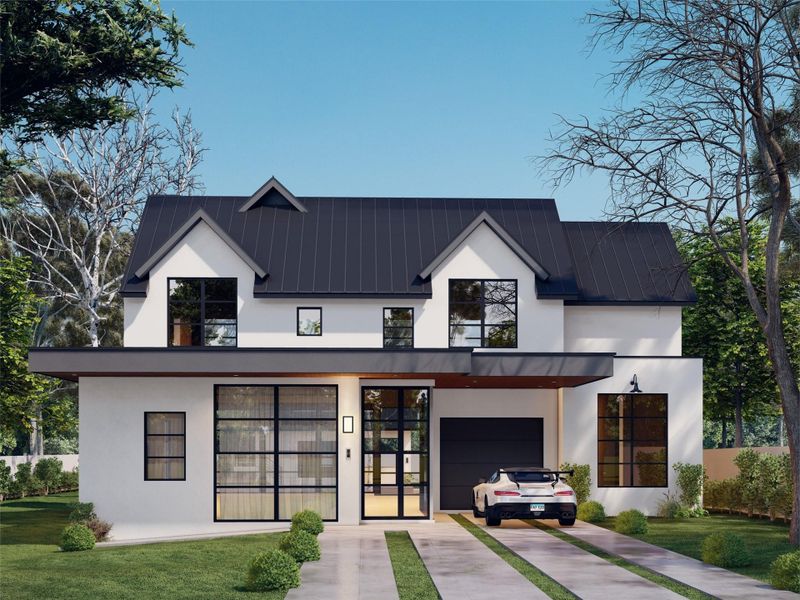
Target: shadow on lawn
(36, 521)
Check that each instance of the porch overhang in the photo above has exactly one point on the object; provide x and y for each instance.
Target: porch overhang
(451, 367)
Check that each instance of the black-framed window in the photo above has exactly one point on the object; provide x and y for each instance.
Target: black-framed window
(632, 440)
(275, 451)
(202, 312)
(483, 313)
(309, 320)
(398, 327)
(165, 446)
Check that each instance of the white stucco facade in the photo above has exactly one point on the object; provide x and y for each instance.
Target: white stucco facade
(646, 340)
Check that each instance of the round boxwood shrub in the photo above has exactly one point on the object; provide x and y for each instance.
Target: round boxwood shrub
(591, 512)
(631, 521)
(725, 549)
(77, 537)
(300, 545)
(272, 570)
(309, 521)
(784, 573)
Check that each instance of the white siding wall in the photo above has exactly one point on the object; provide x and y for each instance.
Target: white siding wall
(682, 379)
(626, 330)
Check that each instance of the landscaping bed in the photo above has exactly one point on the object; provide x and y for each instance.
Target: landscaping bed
(766, 540)
(32, 567)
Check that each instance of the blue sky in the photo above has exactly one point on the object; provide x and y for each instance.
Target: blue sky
(418, 99)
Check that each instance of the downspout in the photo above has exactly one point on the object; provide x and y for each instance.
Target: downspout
(560, 426)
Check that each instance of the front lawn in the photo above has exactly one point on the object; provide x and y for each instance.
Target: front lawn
(766, 540)
(31, 566)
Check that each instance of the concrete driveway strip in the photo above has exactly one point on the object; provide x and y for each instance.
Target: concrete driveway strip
(463, 568)
(355, 565)
(721, 583)
(582, 573)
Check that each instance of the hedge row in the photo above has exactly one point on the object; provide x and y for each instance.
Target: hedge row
(48, 476)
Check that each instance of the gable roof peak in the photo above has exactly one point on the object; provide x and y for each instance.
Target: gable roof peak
(500, 231)
(273, 193)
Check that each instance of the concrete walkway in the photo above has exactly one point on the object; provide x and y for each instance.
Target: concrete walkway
(584, 574)
(462, 567)
(355, 565)
(721, 583)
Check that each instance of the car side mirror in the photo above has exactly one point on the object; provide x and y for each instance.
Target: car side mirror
(481, 480)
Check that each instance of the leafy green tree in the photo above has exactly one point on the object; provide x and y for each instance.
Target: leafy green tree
(62, 61)
(722, 329)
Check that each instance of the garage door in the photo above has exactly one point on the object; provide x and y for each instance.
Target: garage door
(476, 447)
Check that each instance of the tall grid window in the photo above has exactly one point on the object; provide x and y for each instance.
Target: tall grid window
(398, 327)
(164, 446)
(632, 440)
(483, 313)
(276, 452)
(202, 312)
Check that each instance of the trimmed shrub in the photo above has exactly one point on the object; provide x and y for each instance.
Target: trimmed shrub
(48, 471)
(591, 512)
(77, 537)
(22, 479)
(69, 480)
(300, 545)
(784, 573)
(5, 480)
(670, 508)
(99, 528)
(690, 482)
(82, 512)
(725, 549)
(272, 570)
(631, 521)
(309, 521)
(580, 481)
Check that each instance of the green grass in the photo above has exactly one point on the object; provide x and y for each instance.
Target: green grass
(766, 540)
(549, 586)
(657, 578)
(412, 578)
(32, 567)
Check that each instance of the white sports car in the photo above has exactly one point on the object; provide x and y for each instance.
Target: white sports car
(524, 493)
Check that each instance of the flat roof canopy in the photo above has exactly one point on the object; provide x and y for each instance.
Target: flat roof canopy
(453, 367)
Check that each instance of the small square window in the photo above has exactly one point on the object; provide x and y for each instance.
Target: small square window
(309, 320)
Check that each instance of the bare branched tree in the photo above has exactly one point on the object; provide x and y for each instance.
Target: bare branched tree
(712, 75)
(75, 205)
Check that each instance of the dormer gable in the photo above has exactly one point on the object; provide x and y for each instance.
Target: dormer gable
(274, 194)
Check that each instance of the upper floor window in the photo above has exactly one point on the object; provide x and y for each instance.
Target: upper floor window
(483, 313)
(398, 327)
(202, 312)
(632, 440)
(309, 320)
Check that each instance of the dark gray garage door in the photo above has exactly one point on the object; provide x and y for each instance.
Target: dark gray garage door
(476, 447)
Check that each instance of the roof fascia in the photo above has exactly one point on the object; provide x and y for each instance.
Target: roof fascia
(199, 215)
(498, 229)
(273, 184)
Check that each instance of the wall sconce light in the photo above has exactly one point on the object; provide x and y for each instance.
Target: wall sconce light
(635, 384)
(347, 424)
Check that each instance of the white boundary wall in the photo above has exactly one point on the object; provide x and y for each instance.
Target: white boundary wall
(70, 461)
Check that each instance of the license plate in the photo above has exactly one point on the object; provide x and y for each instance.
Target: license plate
(537, 507)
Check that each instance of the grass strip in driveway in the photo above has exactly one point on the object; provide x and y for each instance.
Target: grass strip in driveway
(645, 573)
(412, 578)
(537, 577)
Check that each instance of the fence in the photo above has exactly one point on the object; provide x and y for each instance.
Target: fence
(70, 461)
(719, 461)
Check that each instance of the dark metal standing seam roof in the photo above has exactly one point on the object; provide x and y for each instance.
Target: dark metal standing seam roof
(355, 246)
(627, 263)
(376, 247)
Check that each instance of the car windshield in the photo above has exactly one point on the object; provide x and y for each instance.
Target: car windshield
(530, 477)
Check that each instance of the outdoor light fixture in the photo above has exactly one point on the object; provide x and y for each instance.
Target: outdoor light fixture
(635, 384)
(347, 424)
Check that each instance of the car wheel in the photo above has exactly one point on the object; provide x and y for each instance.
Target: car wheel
(566, 522)
(491, 520)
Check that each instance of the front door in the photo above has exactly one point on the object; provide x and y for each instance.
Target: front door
(394, 444)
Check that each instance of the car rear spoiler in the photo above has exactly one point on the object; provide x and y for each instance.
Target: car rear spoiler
(570, 472)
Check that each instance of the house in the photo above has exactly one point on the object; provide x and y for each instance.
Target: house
(371, 358)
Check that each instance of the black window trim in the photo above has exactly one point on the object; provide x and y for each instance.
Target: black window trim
(411, 327)
(276, 452)
(299, 308)
(483, 305)
(146, 434)
(202, 281)
(633, 441)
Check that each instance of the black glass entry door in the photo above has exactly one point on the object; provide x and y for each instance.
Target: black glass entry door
(394, 443)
